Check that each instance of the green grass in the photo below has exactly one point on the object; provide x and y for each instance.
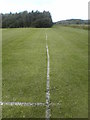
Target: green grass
(69, 71)
(23, 112)
(25, 66)
(24, 69)
(0, 71)
(80, 26)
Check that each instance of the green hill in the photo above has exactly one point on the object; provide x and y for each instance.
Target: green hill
(72, 21)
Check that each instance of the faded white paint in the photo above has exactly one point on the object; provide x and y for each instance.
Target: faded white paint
(48, 84)
(22, 104)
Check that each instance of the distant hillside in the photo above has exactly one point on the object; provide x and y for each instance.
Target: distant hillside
(73, 21)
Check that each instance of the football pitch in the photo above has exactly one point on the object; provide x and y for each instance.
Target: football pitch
(45, 73)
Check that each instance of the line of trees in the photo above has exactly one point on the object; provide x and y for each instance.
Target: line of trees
(27, 19)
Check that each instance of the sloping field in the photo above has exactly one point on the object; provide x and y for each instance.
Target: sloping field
(25, 72)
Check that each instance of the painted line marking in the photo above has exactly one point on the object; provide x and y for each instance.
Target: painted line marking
(48, 84)
(46, 34)
(22, 104)
(28, 104)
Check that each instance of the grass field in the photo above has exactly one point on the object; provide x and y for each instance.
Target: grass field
(25, 71)
(79, 26)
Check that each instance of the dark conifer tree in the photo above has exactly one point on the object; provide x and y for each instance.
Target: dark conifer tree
(27, 19)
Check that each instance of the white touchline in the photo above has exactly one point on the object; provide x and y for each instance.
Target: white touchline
(46, 36)
(48, 84)
(28, 104)
(22, 104)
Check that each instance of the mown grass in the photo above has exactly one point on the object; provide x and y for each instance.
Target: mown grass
(24, 71)
(24, 66)
(85, 27)
(0, 72)
(79, 26)
(68, 72)
(23, 112)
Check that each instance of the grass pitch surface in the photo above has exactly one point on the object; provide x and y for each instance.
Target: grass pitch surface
(25, 71)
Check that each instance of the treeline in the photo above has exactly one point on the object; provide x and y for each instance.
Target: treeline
(27, 19)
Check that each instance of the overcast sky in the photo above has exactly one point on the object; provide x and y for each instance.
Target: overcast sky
(59, 9)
